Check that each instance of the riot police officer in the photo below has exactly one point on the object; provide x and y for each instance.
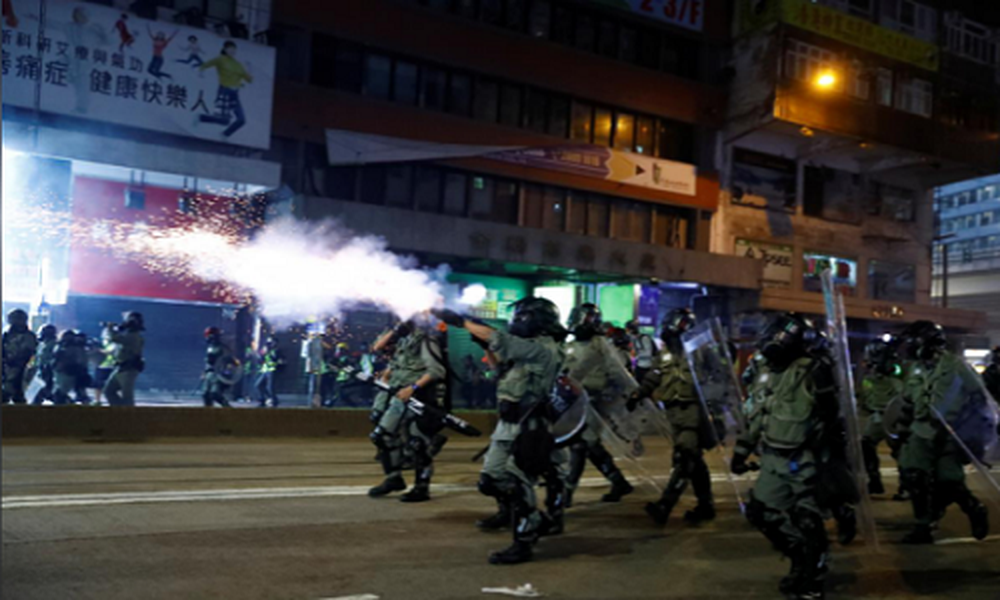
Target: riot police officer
(593, 362)
(45, 359)
(129, 344)
(522, 447)
(416, 370)
(70, 368)
(880, 386)
(19, 345)
(931, 461)
(671, 383)
(218, 357)
(991, 376)
(794, 427)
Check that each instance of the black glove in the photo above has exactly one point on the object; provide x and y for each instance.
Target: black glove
(448, 316)
(481, 343)
(738, 465)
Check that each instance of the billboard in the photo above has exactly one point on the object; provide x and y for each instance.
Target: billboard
(99, 63)
(844, 270)
(689, 14)
(777, 261)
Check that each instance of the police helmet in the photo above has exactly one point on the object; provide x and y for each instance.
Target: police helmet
(47, 332)
(133, 321)
(585, 321)
(212, 333)
(17, 318)
(676, 322)
(880, 354)
(787, 337)
(619, 337)
(923, 340)
(533, 317)
(995, 356)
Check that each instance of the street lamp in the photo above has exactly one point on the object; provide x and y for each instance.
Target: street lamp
(826, 80)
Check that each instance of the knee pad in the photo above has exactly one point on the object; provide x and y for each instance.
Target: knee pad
(490, 487)
(418, 446)
(380, 438)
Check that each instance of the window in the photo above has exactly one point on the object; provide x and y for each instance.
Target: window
(915, 96)
(858, 8)
(859, 83)
(510, 105)
(562, 26)
(669, 228)
(492, 12)
(558, 117)
(582, 122)
(586, 33)
(806, 62)
(671, 141)
(627, 40)
(427, 189)
(602, 126)
(632, 221)
(454, 194)
(535, 110)
(373, 182)
(538, 19)
(986, 219)
(398, 185)
(645, 130)
(891, 281)
(485, 106)
(972, 41)
(554, 209)
(883, 87)
(432, 88)
(911, 18)
(624, 132)
(405, 78)
(505, 202)
(481, 197)
(347, 70)
(378, 75)
(514, 14)
(459, 94)
(649, 50)
(607, 39)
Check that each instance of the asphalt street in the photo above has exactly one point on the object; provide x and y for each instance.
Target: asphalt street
(290, 519)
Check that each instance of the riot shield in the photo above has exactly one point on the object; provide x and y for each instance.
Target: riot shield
(836, 329)
(646, 463)
(721, 397)
(567, 409)
(970, 416)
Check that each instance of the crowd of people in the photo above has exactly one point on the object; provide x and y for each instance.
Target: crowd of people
(793, 414)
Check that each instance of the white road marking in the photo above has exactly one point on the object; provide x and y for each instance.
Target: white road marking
(356, 597)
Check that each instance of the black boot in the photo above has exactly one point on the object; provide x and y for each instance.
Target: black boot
(420, 492)
(701, 483)
(550, 525)
(516, 553)
(620, 487)
(393, 483)
(660, 511)
(700, 513)
(978, 514)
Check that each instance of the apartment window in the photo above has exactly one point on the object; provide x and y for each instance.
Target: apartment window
(859, 83)
(535, 110)
(554, 209)
(911, 18)
(558, 117)
(378, 76)
(398, 184)
(373, 184)
(432, 88)
(602, 126)
(481, 193)
(455, 187)
(492, 11)
(539, 19)
(405, 80)
(459, 94)
(649, 50)
(669, 228)
(627, 41)
(562, 26)
(986, 219)
(586, 33)
(972, 41)
(485, 105)
(347, 68)
(427, 189)
(883, 87)
(505, 202)
(644, 135)
(607, 40)
(915, 96)
(672, 141)
(624, 132)
(582, 122)
(806, 62)
(510, 105)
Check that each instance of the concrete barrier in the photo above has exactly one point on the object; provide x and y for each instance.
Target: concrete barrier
(122, 423)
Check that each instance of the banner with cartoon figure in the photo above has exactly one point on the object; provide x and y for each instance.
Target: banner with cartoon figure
(99, 63)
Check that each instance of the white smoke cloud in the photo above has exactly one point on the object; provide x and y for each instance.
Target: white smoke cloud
(297, 271)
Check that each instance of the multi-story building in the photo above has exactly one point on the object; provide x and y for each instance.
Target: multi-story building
(967, 257)
(843, 118)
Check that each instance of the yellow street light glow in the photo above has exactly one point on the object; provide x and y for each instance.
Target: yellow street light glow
(826, 80)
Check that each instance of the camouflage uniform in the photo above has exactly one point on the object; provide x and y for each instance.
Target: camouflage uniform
(877, 391)
(19, 345)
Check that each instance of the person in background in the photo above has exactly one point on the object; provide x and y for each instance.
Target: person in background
(271, 361)
(70, 368)
(315, 368)
(644, 348)
(45, 361)
(470, 381)
(105, 367)
(19, 346)
(218, 357)
(129, 344)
